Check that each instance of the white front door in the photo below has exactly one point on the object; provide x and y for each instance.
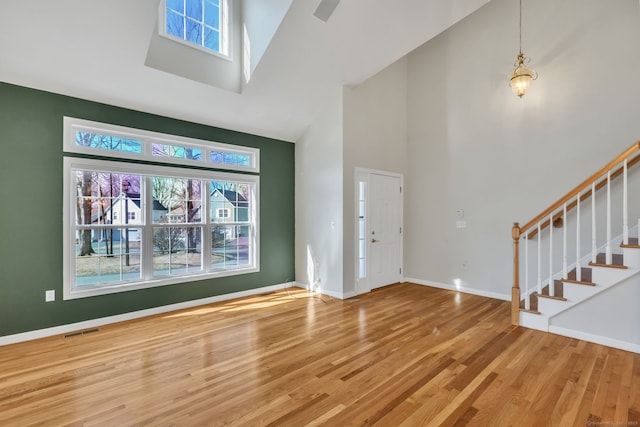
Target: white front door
(384, 230)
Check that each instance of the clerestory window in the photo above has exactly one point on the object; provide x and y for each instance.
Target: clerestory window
(200, 23)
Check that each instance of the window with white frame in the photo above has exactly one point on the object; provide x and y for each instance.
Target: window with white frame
(200, 23)
(94, 138)
(134, 225)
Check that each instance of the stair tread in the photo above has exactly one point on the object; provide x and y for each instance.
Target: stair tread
(530, 311)
(576, 282)
(558, 290)
(616, 261)
(585, 275)
(596, 264)
(558, 298)
(632, 243)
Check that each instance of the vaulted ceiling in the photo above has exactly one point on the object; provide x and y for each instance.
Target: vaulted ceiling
(96, 50)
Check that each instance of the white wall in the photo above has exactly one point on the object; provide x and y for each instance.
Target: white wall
(261, 19)
(475, 146)
(318, 193)
(375, 137)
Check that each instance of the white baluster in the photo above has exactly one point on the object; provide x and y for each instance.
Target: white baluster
(625, 212)
(608, 255)
(551, 290)
(594, 248)
(564, 241)
(539, 261)
(578, 267)
(527, 303)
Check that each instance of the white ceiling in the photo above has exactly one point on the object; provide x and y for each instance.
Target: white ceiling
(96, 50)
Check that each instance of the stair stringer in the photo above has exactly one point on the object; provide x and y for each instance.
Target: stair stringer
(603, 277)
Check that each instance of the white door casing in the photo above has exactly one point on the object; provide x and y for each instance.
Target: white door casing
(383, 229)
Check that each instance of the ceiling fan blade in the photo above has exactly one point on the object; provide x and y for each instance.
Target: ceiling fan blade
(325, 9)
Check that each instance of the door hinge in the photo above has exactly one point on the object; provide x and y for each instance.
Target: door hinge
(401, 189)
(400, 270)
(400, 230)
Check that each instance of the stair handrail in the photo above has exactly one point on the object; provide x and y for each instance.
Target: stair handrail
(583, 196)
(517, 231)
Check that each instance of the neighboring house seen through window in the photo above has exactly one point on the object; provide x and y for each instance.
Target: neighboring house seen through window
(132, 225)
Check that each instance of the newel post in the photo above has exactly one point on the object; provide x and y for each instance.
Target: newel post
(515, 290)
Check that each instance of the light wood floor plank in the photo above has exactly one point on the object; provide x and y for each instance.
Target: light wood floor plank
(401, 355)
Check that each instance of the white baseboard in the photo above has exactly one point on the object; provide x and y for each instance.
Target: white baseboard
(597, 339)
(328, 292)
(472, 291)
(93, 323)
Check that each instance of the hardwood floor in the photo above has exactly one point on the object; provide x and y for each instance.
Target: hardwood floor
(404, 355)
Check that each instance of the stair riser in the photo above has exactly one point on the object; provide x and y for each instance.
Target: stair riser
(631, 257)
(575, 293)
(608, 276)
(551, 307)
(534, 321)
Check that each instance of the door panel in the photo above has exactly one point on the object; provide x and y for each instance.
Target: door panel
(384, 230)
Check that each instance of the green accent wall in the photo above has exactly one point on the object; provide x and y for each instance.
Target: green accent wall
(31, 183)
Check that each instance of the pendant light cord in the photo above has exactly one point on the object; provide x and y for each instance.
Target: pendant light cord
(520, 26)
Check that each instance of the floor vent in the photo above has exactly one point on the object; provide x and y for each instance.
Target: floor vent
(79, 333)
(353, 299)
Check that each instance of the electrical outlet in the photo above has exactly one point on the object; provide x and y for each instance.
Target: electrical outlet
(49, 295)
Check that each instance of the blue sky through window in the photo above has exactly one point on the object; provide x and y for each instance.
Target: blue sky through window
(195, 21)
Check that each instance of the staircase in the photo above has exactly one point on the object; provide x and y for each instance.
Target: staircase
(568, 252)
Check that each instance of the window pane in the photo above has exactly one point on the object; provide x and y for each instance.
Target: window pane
(216, 157)
(174, 24)
(108, 142)
(211, 39)
(177, 5)
(176, 250)
(212, 15)
(104, 198)
(194, 9)
(229, 202)
(176, 200)
(114, 256)
(230, 246)
(194, 32)
(221, 157)
(176, 151)
(242, 160)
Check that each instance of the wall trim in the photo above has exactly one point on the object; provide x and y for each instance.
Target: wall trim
(597, 339)
(93, 323)
(471, 291)
(334, 294)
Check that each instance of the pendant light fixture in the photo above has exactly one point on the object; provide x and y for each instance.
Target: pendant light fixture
(522, 75)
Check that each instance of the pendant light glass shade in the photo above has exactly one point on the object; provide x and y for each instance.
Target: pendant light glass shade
(522, 76)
